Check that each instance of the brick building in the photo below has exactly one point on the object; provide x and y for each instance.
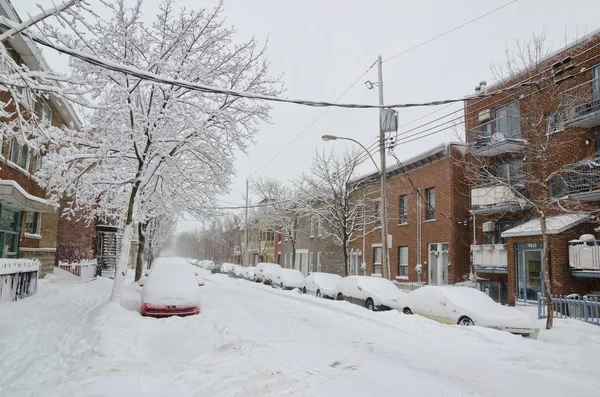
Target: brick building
(533, 151)
(427, 220)
(316, 251)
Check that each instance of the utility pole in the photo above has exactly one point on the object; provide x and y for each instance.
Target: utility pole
(385, 266)
(245, 259)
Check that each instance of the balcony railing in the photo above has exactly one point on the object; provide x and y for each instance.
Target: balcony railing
(582, 104)
(579, 181)
(489, 256)
(498, 136)
(495, 195)
(584, 255)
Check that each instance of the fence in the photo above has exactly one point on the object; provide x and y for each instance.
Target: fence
(76, 272)
(586, 309)
(18, 278)
(408, 287)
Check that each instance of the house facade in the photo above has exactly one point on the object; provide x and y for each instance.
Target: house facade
(533, 149)
(427, 214)
(316, 250)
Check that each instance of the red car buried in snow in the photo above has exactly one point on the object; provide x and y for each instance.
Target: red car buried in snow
(170, 290)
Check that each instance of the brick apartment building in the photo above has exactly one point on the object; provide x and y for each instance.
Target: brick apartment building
(427, 222)
(536, 147)
(316, 251)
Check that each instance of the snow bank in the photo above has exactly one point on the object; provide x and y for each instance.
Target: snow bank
(380, 286)
(171, 284)
(11, 266)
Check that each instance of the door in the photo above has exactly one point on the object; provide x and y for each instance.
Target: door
(438, 263)
(530, 274)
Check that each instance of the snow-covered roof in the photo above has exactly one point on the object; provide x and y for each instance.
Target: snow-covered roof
(554, 225)
(11, 192)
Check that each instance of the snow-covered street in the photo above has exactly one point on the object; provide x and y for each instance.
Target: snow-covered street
(251, 340)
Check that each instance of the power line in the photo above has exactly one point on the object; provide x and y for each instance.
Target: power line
(450, 31)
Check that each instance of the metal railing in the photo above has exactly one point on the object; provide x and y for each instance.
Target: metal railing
(490, 255)
(490, 132)
(582, 177)
(408, 287)
(572, 306)
(584, 254)
(581, 100)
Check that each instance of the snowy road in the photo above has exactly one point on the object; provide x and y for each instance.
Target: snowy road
(251, 340)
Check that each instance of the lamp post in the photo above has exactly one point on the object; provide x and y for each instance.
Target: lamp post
(383, 211)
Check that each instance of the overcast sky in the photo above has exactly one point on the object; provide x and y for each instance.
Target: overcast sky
(322, 46)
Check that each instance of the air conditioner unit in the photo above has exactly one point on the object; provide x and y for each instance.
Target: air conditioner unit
(484, 115)
(489, 226)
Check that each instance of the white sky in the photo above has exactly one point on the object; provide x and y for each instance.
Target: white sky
(321, 47)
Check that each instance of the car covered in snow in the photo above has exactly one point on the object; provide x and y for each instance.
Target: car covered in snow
(374, 293)
(249, 273)
(238, 271)
(263, 272)
(216, 268)
(321, 284)
(227, 267)
(287, 278)
(468, 306)
(209, 265)
(170, 290)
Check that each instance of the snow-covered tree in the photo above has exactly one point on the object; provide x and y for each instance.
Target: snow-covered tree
(151, 144)
(343, 203)
(158, 234)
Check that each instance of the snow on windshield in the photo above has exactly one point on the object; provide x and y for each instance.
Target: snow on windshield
(171, 284)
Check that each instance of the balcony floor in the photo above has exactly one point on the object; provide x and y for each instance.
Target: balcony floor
(586, 120)
(500, 147)
(585, 273)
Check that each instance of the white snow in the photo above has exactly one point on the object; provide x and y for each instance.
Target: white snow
(252, 340)
(289, 277)
(11, 266)
(554, 225)
(171, 284)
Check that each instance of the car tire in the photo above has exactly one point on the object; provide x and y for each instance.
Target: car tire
(282, 287)
(370, 305)
(318, 294)
(304, 290)
(407, 310)
(339, 297)
(465, 321)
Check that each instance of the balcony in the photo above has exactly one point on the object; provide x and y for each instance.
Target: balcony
(584, 258)
(498, 136)
(582, 104)
(489, 258)
(580, 181)
(495, 198)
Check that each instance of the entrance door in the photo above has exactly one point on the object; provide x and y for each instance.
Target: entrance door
(438, 263)
(530, 274)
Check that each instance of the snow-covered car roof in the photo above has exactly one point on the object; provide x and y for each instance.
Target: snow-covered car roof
(290, 274)
(171, 284)
(327, 279)
(381, 286)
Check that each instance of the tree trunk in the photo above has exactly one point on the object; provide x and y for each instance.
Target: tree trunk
(547, 281)
(346, 260)
(293, 264)
(139, 266)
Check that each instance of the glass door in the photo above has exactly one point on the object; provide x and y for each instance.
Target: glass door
(530, 275)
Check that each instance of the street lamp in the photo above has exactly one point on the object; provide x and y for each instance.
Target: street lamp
(383, 212)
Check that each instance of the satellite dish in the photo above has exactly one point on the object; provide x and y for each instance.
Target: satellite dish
(498, 136)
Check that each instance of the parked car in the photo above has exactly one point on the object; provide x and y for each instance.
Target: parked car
(264, 271)
(287, 278)
(209, 265)
(321, 285)
(216, 268)
(249, 273)
(227, 267)
(170, 290)
(238, 271)
(468, 306)
(374, 293)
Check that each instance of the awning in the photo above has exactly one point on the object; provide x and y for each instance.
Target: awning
(12, 193)
(554, 225)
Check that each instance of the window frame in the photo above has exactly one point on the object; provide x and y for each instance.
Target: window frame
(402, 267)
(403, 209)
(46, 113)
(320, 230)
(312, 227)
(14, 143)
(36, 222)
(319, 261)
(376, 264)
(310, 262)
(378, 213)
(430, 210)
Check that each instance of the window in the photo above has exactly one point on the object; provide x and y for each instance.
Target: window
(555, 122)
(33, 223)
(430, 196)
(376, 260)
(403, 205)
(320, 227)
(37, 162)
(511, 172)
(310, 262)
(403, 262)
(312, 227)
(279, 258)
(360, 216)
(46, 113)
(318, 261)
(285, 259)
(18, 154)
(507, 120)
(378, 214)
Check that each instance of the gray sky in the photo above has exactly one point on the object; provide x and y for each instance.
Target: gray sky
(321, 47)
